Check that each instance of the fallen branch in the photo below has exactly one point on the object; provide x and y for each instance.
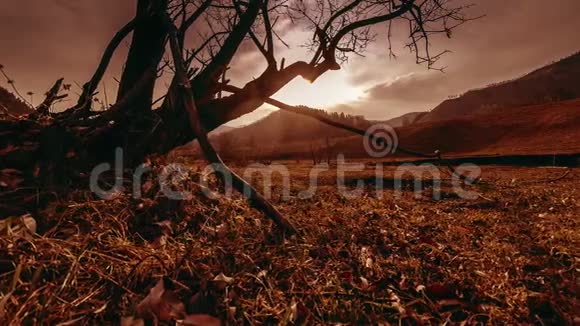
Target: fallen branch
(560, 177)
(51, 97)
(255, 199)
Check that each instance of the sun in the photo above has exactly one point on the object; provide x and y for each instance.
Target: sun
(329, 90)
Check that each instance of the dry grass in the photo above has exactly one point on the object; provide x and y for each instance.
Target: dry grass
(510, 260)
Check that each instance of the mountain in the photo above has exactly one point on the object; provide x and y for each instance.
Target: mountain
(559, 81)
(11, 104)
(281, 127)
(406, 119)
(539, 129)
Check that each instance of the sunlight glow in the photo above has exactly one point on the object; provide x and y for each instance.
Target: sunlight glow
(329, 90)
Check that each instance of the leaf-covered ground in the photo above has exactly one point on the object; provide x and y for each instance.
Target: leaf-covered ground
(508, 257)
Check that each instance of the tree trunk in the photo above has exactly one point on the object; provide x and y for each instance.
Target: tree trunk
(147, 48)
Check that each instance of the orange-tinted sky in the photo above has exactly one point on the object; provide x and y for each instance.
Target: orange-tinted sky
(41, 40)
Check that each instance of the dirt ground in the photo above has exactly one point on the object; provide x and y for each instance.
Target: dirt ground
(506, 255)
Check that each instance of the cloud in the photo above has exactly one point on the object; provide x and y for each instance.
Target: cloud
(412, 88)
(415, 91)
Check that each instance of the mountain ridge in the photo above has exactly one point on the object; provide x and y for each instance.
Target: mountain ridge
(558, 81)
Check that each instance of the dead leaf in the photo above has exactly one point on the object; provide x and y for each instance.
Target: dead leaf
(161, 303)
(165, 227)
(222, 281)
(364, 283)
(365, 257)
(221, 230)
(162, 230)
(396, 301)
(199, 320)
(159, 242)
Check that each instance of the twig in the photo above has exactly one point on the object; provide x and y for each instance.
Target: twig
(11, 83)
(560, 177)
(90, 87)
(51, 97)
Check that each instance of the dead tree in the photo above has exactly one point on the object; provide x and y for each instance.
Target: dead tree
(46, 153)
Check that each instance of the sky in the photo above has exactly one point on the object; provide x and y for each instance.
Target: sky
(42, 40)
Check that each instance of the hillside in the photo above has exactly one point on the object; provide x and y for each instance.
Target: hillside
(12, 104)
(282, 127)
(542, 129)
(406, 119)
(556, 82)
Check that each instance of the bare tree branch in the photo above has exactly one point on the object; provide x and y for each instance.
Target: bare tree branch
(251, 194)
(186, 24)
(90, 87)
(51, 97)
(213, 71)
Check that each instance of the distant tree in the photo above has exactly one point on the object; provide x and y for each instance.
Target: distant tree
(328, 150)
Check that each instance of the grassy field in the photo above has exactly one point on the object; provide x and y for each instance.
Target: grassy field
(509, 255)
